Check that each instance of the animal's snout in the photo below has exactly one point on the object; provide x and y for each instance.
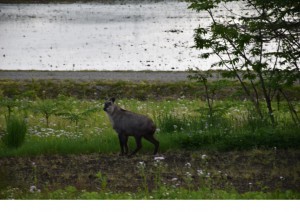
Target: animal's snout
(106, 106)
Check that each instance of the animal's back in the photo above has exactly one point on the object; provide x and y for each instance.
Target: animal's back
(134, 124)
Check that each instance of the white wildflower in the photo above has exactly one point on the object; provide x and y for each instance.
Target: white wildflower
(188, 165)
(200, 172)
(141, 165)
(159, 158)
(33, 189)
(188, 174)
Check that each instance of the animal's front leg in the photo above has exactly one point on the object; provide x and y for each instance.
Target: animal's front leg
(123, 141)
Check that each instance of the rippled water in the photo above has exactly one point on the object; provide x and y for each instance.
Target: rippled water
(146, 36)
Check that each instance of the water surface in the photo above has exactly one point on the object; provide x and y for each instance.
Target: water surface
(145, 36)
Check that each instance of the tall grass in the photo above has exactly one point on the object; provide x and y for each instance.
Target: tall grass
(16, 129)
(63, 146)
(170, 123)
(222, 133)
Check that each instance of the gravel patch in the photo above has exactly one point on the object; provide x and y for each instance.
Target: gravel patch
(167, 76)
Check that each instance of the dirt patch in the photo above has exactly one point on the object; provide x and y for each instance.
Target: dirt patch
(254, 170)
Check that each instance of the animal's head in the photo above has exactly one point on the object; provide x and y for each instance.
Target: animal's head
(109, 106)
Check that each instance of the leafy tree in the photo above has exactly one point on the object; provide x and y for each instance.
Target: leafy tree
(47, 107)
(202, 77)
(76, 115)
(73, 110)
(242, 41)
(9, 104)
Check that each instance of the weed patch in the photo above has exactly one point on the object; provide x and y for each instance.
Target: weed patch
(16, 129)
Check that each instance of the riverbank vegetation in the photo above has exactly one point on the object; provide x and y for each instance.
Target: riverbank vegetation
(182, 123)
(180, 109)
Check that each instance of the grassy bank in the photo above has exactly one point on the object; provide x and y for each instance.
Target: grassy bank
(66, 125)
(101, 90)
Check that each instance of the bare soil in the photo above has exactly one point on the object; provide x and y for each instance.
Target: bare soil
(255, 170)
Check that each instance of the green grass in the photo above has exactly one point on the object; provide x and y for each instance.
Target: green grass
(61, 146)
(165, 193)
(99, 144)
(181, 124)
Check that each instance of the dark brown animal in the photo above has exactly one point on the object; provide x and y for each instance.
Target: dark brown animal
(127, 123)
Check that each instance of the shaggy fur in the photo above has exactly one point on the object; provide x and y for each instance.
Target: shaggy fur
(127, 123)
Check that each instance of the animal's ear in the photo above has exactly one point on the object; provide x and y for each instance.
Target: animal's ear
(112, 99)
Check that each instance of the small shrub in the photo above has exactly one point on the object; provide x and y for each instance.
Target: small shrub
(170, 123)
(16, 129)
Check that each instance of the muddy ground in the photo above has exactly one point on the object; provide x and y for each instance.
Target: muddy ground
(255, 170)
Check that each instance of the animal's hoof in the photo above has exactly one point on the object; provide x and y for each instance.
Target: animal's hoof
(131, 155)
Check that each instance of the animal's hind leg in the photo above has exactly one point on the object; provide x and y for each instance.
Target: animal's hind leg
(126, 145)
(138, 141)
(151, 138)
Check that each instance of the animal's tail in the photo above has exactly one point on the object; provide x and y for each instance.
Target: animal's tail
(153, 128)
